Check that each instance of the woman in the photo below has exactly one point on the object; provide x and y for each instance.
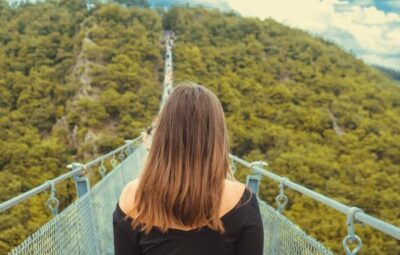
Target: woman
(183, 202)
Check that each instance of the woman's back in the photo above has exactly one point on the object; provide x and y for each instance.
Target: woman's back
(182, 202)
(240, 216)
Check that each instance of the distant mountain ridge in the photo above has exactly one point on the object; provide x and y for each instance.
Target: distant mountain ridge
(389, 72)
(221, 5)
(217, 4)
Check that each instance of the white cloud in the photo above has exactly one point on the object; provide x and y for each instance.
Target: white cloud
(371, 33)
(373, 16)
(300, 13)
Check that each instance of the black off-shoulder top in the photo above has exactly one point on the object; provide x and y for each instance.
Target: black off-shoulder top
(243, 234)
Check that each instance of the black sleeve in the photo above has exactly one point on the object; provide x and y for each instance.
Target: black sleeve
(251, 240)
(124, 244)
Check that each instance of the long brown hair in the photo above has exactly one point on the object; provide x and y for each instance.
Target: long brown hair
(183, 177)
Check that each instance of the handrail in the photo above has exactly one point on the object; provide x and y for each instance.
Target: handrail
(373, 222)
(76, 171)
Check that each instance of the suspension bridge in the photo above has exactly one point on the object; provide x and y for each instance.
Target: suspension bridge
(85, 226)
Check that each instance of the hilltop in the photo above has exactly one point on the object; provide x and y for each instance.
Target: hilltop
(219, 4)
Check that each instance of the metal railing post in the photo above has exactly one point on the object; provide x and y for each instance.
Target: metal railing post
(253, 182)
(82, 184)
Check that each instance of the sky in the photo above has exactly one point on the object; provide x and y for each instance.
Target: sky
(370, 29)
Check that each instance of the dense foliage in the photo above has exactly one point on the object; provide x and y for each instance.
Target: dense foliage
(75, 83)
(315, 113)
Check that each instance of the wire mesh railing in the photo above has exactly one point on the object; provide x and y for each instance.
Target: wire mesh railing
(85, 226)
(281, 236)
(354, 214)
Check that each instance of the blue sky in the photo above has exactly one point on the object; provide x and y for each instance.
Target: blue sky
(368, 28)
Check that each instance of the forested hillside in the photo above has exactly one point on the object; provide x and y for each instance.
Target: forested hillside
(73, 85)
(76, 83)
(315, 113)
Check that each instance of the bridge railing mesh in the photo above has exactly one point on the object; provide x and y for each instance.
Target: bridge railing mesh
(282, 236)
(85, 226)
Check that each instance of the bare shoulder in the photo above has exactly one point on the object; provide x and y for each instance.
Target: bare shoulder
(128, 195)
(231, 195)
(234, 186)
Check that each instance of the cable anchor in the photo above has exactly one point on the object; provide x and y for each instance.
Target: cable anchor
(53, 202)
(102, 169)
(113, 161)
(121, 155)
(76, 165)
(259, 164)
(130, 148)
(351, 236)
(282, 199)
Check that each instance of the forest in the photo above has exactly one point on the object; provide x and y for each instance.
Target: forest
(76, 82)
(390, 72)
